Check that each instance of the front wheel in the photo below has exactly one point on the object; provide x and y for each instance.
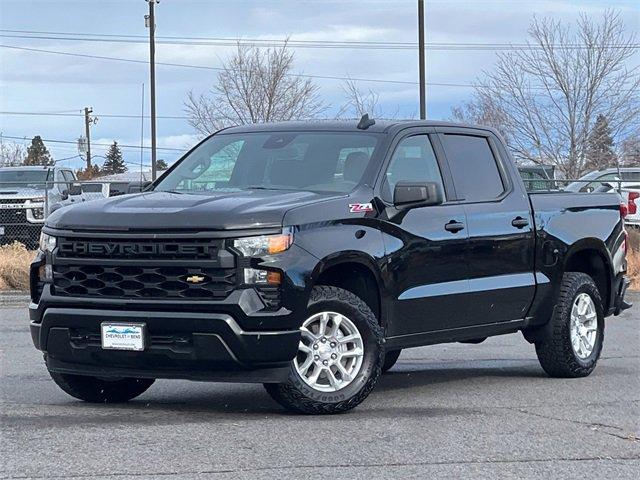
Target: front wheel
(97, 390)
(572, 342)
(339, 357)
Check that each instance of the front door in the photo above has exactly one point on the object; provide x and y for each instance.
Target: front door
(426, 247)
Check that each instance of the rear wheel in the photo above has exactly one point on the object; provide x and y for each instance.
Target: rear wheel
(572, 342)
(339, 358)
(97, 390)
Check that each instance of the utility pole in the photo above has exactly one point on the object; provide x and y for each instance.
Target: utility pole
(150, 21)
(421, 61)
(87, 131)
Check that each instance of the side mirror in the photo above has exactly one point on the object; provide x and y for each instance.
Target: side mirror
(417, 194)
(64, 195)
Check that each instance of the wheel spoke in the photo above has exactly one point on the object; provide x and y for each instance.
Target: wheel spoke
(304, 348)
(322, 328)
(356, 352)
(333, 381)
(346, 377)
(337, 320)
(304, 368)
(315, 375)
(348, 339)
(307, 333)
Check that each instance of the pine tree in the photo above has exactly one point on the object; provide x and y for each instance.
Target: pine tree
(114, 162)
(37, 153)
(600, 152)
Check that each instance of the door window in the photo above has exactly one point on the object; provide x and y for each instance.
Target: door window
(474, 168)
(413, 161)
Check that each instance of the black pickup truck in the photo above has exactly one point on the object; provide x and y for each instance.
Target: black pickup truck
(306, 256)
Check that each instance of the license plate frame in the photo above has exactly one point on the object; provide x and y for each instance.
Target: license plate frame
(125, 336)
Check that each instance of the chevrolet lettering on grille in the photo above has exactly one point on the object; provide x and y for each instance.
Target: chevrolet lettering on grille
(133, 249)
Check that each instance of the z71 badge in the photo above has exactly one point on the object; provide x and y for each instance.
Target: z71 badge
(360, 207)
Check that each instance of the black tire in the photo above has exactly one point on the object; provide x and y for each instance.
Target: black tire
(390, 359)
(297, 396)
(96, 390)
(554, 349)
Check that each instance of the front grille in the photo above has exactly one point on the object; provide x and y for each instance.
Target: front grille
(12, 201)
(143, 268)
(143, 282)
(138, 249)
(12, 216)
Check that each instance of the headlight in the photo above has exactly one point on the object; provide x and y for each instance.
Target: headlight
(47, 242)
(35, 200)
(264, 244)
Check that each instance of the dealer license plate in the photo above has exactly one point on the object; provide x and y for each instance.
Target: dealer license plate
(123, 336)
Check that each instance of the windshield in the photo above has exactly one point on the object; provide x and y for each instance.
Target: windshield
(23, 178)
(311, 161)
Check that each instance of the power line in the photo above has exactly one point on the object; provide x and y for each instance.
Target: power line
(259, 42)
(102, 115)
(203, 67)
(95, 144)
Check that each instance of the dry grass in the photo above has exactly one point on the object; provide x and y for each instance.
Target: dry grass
(633, 258)
(14, 266)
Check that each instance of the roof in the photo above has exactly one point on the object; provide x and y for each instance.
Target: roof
(381, 126)
(29, 167)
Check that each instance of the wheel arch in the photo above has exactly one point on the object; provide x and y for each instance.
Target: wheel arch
(356, 272)
(591, 257)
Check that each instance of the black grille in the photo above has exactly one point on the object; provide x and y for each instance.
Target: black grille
(12, 216)
(138, 249)
(143, 282)
(270, 296)
(12, 201)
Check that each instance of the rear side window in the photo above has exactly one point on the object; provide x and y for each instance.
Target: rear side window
(473, 167)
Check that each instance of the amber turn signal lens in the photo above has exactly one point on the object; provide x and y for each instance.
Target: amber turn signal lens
(274, 278)
(279, 243)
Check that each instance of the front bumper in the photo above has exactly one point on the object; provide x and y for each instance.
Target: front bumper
(196, 346)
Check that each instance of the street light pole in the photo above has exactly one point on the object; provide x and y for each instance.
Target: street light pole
(151, 24)
(421, 61)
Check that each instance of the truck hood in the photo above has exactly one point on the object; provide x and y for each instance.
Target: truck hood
(163, 211)
(21, 193)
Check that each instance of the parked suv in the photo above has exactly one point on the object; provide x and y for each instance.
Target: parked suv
(306, 256)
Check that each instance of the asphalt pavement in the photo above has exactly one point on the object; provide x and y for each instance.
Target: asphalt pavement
(446, 411)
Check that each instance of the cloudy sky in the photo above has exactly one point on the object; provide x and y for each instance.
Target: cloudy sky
(61, 85)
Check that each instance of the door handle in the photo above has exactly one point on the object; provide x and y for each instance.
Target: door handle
(520, 222)
(454, 227)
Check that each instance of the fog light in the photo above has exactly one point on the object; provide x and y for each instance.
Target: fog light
(254, 276)
(45, 273)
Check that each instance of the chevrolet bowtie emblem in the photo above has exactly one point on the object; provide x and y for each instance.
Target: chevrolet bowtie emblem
(195, 279)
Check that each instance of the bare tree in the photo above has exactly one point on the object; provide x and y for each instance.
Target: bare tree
(546, 97)
(11, 154)
(358, 102)
(254, 86)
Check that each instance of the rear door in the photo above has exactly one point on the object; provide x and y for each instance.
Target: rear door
(426, 265)
(499, 225)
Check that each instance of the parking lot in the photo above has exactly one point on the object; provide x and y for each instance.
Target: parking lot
(448, 411)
